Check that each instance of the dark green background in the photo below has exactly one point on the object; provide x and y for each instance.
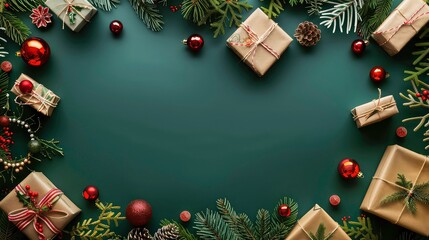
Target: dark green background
(141, 117)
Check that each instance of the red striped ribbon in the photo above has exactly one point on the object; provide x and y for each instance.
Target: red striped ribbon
(24, 216)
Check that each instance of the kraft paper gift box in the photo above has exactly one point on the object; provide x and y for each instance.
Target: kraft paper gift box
(374, 111)
(73, 13)
(62, 210)
(311, 221)
(40, 98)
(401, 25)
(259, 42)
(415, 168)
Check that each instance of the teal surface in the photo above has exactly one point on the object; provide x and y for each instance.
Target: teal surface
(143, 117)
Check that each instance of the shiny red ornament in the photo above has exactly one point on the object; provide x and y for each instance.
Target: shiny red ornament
(358, 46)
(349, 168)
(26, 86)
(35, 51)
(138, 213)
(116, 27)
(284, 210)
(194, 42)
(90, 193)
(185, 216)
(4, 121)
(334, 200)
(378, 74)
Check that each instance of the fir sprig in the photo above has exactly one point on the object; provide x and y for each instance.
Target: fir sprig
(50, 148)
(340, 13)
(373, 13)
(361, 229)
(99, 229)
(4, 87)
(7, 229)
(275, 7)
(106, 5)
(195, 10)
(320, 233)
(409, 195)
(24, 5)
(15, 28)
(149, 13)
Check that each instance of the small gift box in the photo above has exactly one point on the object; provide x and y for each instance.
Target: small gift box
(37, 199)
(259, 42)
(399, 190)
(40, 98)
(374, 111)
(314, 220)
(401, 25)
(73, 13)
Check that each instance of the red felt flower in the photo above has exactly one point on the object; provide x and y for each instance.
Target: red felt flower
(41, 16)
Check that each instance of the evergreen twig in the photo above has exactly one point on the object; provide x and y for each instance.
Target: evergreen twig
(360, 229)
(320, 233)
(24, 5)
(275, 7)
(8, 231)
(342, 12)
(373, 13)
(195, 10)
(106, 5)
(15, 28)
(149, 13)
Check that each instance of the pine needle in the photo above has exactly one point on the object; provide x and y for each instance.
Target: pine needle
(106, 5)
(4, 87)
(342, 12)
(149, 13)
(24, 5)
(195, 10)
(373, 13)
(275, 7)
(15, 28)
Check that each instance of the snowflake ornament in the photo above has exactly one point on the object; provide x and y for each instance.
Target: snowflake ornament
(41, 16)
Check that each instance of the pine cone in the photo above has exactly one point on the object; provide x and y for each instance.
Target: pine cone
(168, 232)
(139, 234)
(307, 34)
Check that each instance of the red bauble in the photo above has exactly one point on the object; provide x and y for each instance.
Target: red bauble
(349, 168)
(116, 27)
(334, 200)
(4, 121)
(185, 216)
(138, 213)
(26, 86)
(378, 74)
(284, 210)
(35, 51)
(194, 42)
(90, 193)
(6, 66)
(358, 46)
(401, 132)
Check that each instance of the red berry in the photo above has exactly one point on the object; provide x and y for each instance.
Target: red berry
(6, 5)
(425, 92)
(418, 95)
(424, 98)
(27, 187)
(401, 132)
(35, 194)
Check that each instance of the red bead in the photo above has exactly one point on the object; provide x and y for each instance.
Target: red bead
(6, 5)
(27, 187)
(334, 200)
(349, 168)
(185, 216)
(425, 92)
(6, 66)
(358, 46)
(4, 121)
(424, 98)
(418, 95)
(116, 27)
(195, 42)
(401, 132)
(284, 210)
(35, 51)
(90, 193)
(35, 194)
(377, 74)
(26, 86)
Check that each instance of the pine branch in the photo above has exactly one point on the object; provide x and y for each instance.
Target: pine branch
(362, 229)
(228, 10)
(296, 2)
(8, 231)
(106, 5)
(210, 225)
(291, 220)
(15, 28)
(342, 12)
(275, 7)
(24, 5)
(4, 87)
(422, 69)
(315, 6)
(184, 233)
(320, 233)
(373, 13)
(195, 10)
(263, 224)
(50, 148)
(149, 14)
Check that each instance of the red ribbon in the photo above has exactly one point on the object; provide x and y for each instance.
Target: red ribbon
(255, 41)
(24, 216)
(408, 22)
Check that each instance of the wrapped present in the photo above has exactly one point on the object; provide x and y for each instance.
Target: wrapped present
(313, 220)
(399, 188)
(40, 98)
(259, 42)
(401, 25)
(45, 204)
(374, 111)
(74, 13)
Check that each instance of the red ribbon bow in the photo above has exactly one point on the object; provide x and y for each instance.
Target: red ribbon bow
(24, 216)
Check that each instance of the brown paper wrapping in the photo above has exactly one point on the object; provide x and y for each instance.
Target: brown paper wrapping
(278, 40)
(397, 159)
(311, 221)
(377, 116)
(30, 99)
(41, 184)
(393, 40)
(57, 7)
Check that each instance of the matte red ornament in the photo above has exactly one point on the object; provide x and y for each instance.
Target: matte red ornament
(349, 168)
(6, 66)
(35, 51)
(185, 216)
(194, 42)
(26, 86)
(138, 212)
(116, 27)
(4, 121)
(401, 132)
(284, 210)
(378, 74)
(334, 200)
(358, 46)
(90, 193)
